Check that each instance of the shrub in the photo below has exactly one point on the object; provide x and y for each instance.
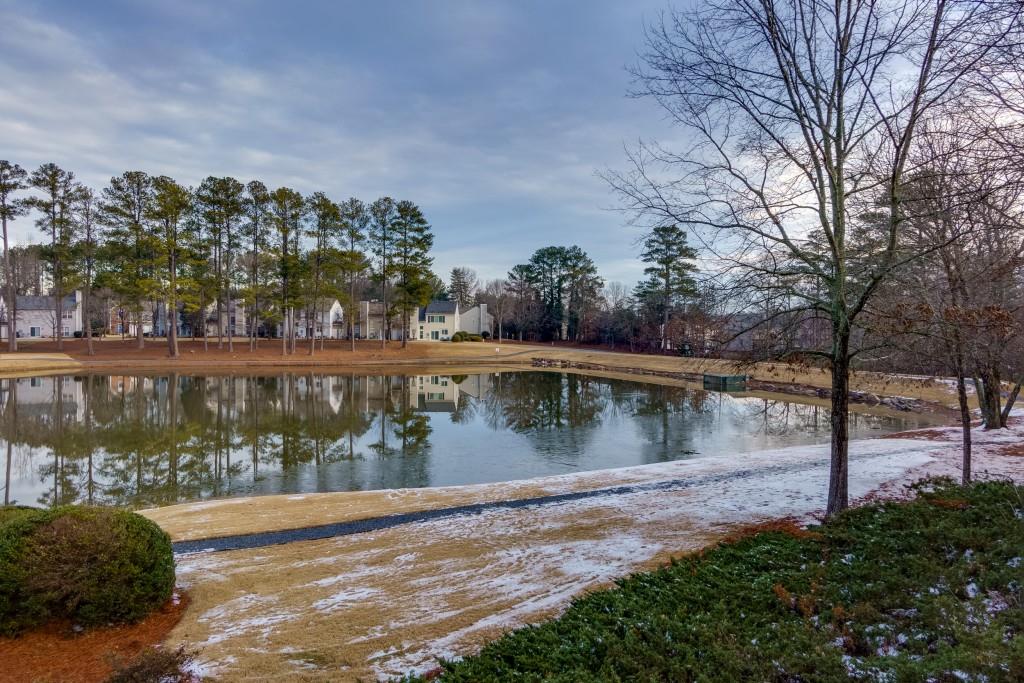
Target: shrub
(156, 664)
(89, 564)
(474, 337)
(459, 336)
(485, 334)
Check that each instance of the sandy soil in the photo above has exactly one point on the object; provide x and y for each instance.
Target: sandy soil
(383, 603)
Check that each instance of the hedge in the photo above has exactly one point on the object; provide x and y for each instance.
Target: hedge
(92, 565)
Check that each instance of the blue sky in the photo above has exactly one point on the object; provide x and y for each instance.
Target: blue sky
(494, 116)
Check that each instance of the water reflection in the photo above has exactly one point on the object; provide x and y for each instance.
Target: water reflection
(137, 440)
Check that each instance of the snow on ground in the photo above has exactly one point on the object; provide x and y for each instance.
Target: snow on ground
(393, 601)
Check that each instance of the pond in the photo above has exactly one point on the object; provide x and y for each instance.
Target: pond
(143, 440)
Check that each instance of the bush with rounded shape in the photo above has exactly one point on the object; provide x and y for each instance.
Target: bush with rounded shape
(486, 335)
(474, 337)
(459, 336)
(92, 565)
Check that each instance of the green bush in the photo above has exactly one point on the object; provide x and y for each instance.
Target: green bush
(459, 336)
(474, 337)
(92, 565)
(924, 590)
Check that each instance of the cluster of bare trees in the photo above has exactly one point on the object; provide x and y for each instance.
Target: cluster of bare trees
(810, 164)
(147, 239)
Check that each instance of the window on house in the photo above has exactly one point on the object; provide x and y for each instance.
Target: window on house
(435, 396)
(66, 314)
(34, 332)
(435, 319)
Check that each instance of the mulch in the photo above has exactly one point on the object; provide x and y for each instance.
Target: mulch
(56, 654)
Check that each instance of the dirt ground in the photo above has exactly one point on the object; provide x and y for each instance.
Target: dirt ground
(55, 654)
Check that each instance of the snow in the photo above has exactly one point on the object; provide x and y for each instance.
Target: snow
(531, 561)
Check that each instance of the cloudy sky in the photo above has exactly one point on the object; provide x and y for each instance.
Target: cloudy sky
(493, 115)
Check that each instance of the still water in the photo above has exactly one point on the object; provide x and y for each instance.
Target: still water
(142, 440)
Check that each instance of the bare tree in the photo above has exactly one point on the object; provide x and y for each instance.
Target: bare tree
(802, 115)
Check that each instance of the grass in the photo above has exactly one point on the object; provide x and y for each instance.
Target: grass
(928, 590)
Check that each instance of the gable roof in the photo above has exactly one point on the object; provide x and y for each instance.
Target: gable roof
(442, 307)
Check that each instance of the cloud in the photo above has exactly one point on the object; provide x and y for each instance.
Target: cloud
(492, 116)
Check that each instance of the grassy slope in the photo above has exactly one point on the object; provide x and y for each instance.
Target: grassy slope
(927, 590)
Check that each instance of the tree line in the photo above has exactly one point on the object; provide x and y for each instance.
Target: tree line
(147, 239)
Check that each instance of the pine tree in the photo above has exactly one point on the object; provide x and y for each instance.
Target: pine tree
(288, 210)
(413, 241)
(384, 214)
(12, 179)
(55, 201)
(168, 212)
(671, 271)
(462, 287)
(355, 221)
(256, 205)
(129, 242)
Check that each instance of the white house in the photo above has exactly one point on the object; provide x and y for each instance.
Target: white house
(441, 319)
(328, 322)
(476, 320)
(369, 321)
(37, 316)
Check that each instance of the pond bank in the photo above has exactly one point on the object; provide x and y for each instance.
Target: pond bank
(391, 600)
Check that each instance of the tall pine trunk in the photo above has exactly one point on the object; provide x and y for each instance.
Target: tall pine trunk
(10, 295)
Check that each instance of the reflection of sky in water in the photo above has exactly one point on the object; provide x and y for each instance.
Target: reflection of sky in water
(143, 440)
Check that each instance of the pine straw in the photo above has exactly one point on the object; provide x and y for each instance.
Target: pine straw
(55, 654)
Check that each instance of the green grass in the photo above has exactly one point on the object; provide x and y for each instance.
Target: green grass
(918, 591)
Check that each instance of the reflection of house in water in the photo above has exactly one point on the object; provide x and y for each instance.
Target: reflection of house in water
(442, 393)
(41, 396)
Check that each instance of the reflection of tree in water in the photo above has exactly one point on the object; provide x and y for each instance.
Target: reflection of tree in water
(556, 412)
(142, 440)
(668, 416)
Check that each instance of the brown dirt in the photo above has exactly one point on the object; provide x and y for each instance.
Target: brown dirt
(55, 654)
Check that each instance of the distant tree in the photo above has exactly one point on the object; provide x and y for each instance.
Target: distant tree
(582, 291)
(220, 203)
(496, 295)
(12, 180)
(520, 287)
(130, 247)
(438, 288)
(413, 241)
(55, 202)
(670, 271)
(87, 249)
(462, 287)
(355, 219)
(381, 238)
(168, 211)
(256, 205)
(288, 211)
(324, 226)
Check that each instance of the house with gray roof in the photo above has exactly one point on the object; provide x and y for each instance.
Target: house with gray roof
(37, 316)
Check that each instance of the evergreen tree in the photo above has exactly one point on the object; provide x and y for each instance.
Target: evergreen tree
(256, 205)
(12, 179)
(130, 247)
(168, 212)
(86, 215)
(413, 241)
(383, 215)
(670, 272)
(324, 225)
(55, 202)
(288, 210)
(355, 219)
(220, 204)
(462, 287)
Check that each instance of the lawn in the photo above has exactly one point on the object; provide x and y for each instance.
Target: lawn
(928, 590)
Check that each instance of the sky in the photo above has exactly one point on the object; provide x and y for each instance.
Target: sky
(495, 116)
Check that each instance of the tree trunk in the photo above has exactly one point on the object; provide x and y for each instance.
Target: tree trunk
(351, 307)
(140, 339)
(86, 319)
(11, 296)
(838, 484)
(990, 389)
(965, 422)
(1010, 400)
